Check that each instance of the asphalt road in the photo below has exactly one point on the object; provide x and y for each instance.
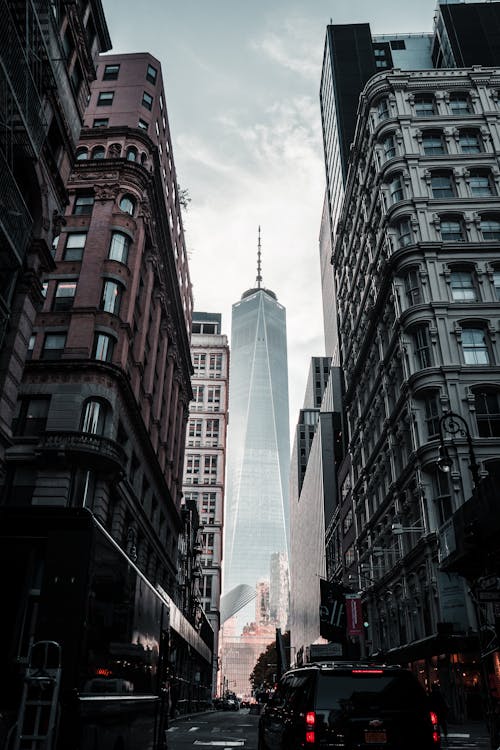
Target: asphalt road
(222, 730)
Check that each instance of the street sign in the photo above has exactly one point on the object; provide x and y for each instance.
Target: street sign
(489, 596)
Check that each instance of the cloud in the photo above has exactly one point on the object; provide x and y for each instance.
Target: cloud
(295, 48)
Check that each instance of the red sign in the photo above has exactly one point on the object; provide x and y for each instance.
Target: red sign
(354, 614)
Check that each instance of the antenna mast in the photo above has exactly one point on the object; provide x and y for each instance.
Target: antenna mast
(259, 269)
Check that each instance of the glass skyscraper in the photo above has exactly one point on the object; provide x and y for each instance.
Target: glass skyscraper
(257, 512)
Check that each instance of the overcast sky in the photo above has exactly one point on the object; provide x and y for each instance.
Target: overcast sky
(241, 83)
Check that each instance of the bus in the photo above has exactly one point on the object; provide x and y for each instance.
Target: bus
(127, 653)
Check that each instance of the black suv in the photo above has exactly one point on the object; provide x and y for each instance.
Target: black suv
(348, 706)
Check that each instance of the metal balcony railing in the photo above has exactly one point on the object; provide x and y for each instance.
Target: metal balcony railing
(23, 115)
(101, 451)
(15, 219)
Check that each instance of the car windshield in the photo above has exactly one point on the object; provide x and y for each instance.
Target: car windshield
(350, 692)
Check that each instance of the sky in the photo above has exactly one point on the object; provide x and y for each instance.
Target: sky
(242, 91)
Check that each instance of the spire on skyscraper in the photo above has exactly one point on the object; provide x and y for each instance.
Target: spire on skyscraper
(259, 267)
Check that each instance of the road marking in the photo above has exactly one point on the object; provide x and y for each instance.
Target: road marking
(194, 729)
(220, 743)
(457, 734)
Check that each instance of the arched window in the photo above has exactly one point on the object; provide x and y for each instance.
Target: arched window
(82, 154)
(396, 187)
(98, 152)
(460, 103)
(481, 183)
(425, 105)
(94, 417)
(118, 249)
(462, 285)
(131, 153)
(433, 142)
(405, 232)
(451, 229)
(127, 204)
(487, 402)
(422, 343)
(442, 185)
(413, 286)
(389, 146)
(383, 108)
(111, 296)
(475, 345)
(490, 227)
(470, 142)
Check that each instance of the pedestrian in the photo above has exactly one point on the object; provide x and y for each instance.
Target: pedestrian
(438, 704)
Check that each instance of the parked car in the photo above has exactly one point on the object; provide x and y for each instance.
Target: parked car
(348, 707)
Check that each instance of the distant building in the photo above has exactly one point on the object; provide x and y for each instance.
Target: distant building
(258, 448)
(205, 459)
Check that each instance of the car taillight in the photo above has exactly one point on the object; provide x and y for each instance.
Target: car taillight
(436, 736)
(310, 726)
(367, 671)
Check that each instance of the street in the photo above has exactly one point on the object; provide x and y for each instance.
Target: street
(226, 730)
(220, 729)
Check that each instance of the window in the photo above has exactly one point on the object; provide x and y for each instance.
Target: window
(111, 297)
(490, 229)
(442, 496)
(433, 143)
(31, 346)
(131, 153)
(198, 393)
(99, 152)
(210, 467)
(487, 413)
(480, 183)
(215, 364)
(451, 229)
(213, 398)
(105, 98)
(460, 104)
(64, 296)
(442, 185)
(389, 146)
(422, 346)
(496, 284)
(413, 287)
(398, 44)
(53, 345)
(383, 109)
(193, 468)
(103, 347)
(199, 363)
(475, 346)
(82, 154)
(425, 105)
(100, 122)
(470, 142)
(462, 286)
(147, 100)
(194, 428)
(31, 416)
(75, 245)
(396, 190)
(93, 417)
(127, 204)
(212, 429)
(110, 72)
(118, 249)
(432, 413)
(83, 205)
(405, 232)
(151, 74)
(143, 124)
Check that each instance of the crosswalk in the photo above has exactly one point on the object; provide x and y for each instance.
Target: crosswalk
(465, 741)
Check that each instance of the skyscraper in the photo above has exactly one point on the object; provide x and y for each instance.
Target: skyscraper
(256, 518)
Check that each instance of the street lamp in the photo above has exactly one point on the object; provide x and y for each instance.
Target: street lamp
(456, 426)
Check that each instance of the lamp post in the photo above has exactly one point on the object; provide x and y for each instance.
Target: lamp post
(454, 425)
